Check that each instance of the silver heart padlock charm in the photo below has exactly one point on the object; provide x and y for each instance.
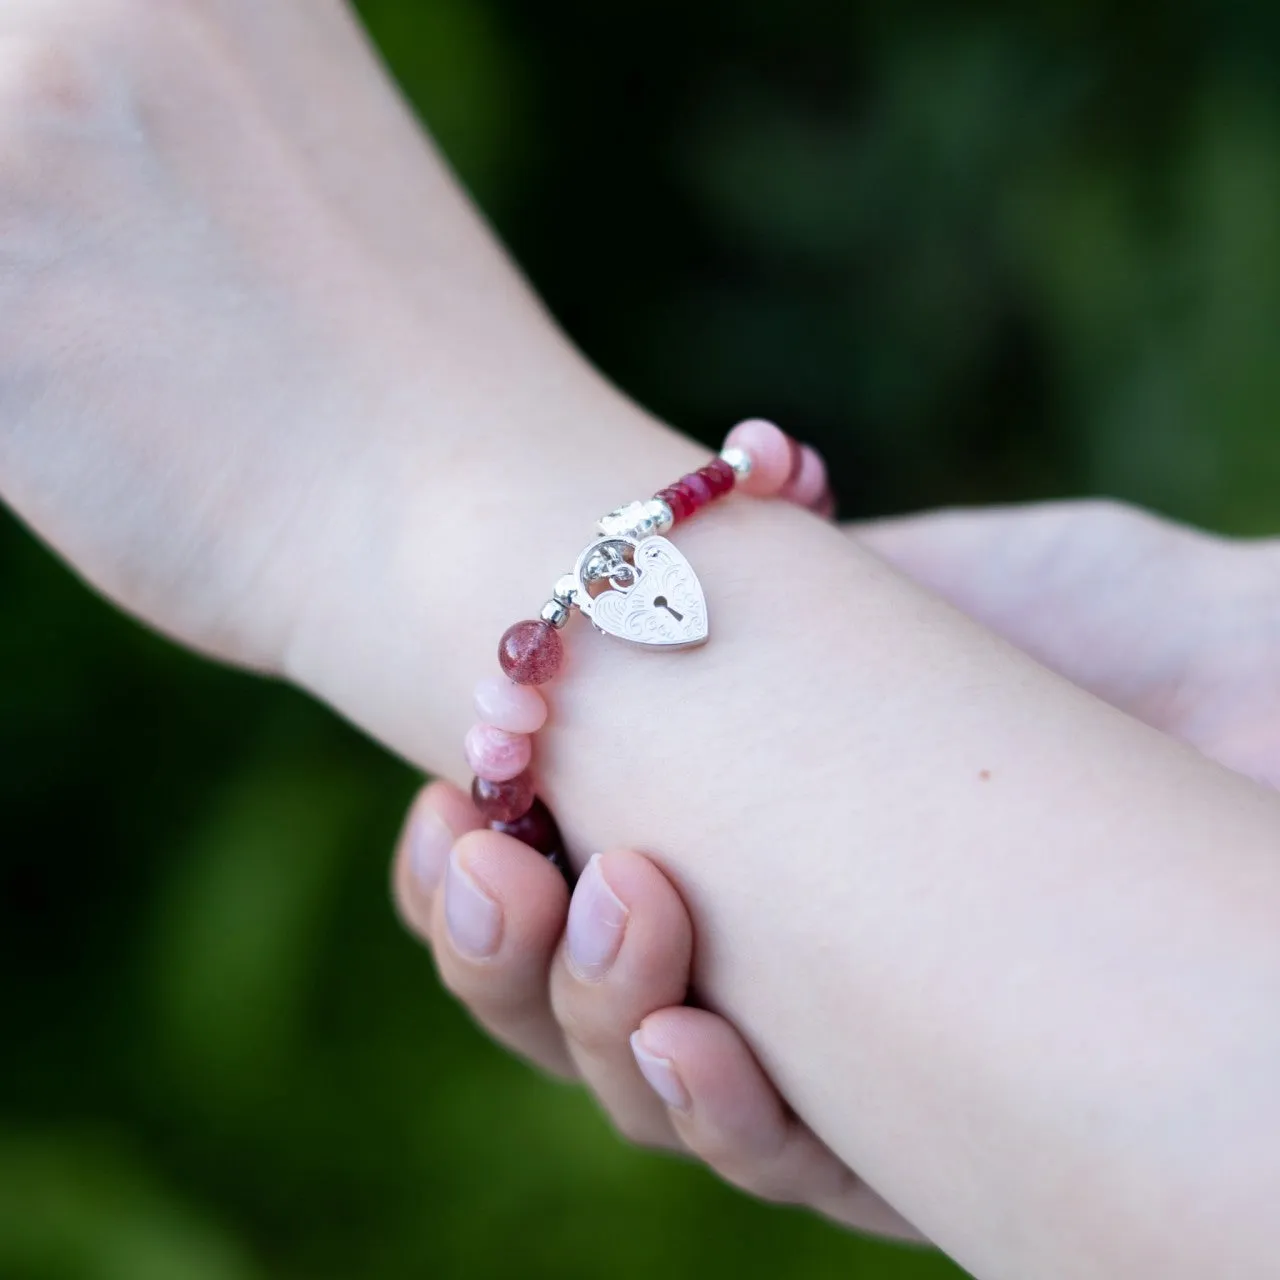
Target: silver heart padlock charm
(653, 599)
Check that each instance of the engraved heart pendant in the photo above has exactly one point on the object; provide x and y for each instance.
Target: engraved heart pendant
(662, 604)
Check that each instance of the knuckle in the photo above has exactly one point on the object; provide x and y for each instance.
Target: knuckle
(586, 1022)
(637, 1131)
(489, 992)
(588, 1033)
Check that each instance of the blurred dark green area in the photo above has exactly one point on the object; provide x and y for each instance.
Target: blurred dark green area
(976, 253)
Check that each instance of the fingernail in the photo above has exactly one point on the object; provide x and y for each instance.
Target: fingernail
(474, 919)
(429, 843)
(597, 922)
(661, 1075)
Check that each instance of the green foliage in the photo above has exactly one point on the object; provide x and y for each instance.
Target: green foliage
(976, 254)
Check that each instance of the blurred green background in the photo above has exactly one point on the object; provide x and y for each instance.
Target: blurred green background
(976, 253)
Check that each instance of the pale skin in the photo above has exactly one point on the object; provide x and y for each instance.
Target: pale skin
(1161, 621)
(1009, 951)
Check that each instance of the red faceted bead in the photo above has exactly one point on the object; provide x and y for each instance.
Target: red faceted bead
(679, 502)
(537, 828)
(503, 801)
(688, 496)
(530, 652)
(697, 486)
(719, 475)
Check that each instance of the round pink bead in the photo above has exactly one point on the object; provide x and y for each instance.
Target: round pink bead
(772, 456)
(809, 483)
(496, 755)
(517, 708)
(530, 652)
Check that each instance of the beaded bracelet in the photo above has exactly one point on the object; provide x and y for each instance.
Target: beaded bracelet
(633, 584)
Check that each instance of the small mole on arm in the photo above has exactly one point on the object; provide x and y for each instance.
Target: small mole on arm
(985, 775)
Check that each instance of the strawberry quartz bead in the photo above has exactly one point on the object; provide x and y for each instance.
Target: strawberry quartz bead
(503, 801)
(530, 652)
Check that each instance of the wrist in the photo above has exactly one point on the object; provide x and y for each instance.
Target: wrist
(440, 537)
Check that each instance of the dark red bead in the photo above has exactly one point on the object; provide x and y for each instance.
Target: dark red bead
(726, 475)
(678, 501)
(530, 652)
(697, 486)
(503, 801)
(719, 475)
(690, 498)
(537, 829)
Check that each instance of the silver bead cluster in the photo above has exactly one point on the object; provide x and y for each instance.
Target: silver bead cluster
(637, 520)
(632, 523)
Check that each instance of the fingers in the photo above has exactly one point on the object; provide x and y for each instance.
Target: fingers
(627, 952)
(962, 554)
(983, 558)
(723, 1107)
(1095, 590)
(439, 815)
(495, 927)
(492, 911)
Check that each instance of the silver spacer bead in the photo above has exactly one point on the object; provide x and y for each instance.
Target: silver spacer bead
(661, 515)
(738, 459)
(566, 590)
(555, 613)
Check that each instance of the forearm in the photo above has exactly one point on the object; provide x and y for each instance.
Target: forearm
(998, 943)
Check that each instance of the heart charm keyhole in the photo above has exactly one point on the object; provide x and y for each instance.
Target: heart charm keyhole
(662, 602)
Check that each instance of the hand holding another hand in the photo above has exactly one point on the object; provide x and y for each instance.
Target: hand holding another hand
(1167, 623)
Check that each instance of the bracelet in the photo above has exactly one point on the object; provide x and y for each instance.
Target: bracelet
(633, 584)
